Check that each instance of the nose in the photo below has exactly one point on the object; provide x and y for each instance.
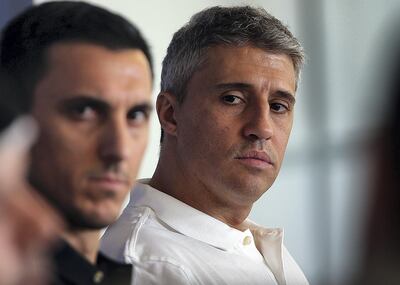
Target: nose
(260, 124)
(114, 141)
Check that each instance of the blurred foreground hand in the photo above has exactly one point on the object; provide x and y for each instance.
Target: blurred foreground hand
(28, 225)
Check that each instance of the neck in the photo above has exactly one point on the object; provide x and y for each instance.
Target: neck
(86, 242)
(179, 183)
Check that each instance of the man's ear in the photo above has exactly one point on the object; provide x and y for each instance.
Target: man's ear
(166, 110)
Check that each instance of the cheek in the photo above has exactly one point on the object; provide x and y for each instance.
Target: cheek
(212, 137)
(223, 131)
(139, 148)
(59, 155)
(68, 141)
(281, 139)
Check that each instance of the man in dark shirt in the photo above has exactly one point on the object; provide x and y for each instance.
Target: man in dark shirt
(85, 76)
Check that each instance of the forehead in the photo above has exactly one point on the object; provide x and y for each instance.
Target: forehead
(81, 68)
(248, 64)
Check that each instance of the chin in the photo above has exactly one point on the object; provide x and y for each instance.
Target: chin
(251, 190)
(251, 183)
(95, 221)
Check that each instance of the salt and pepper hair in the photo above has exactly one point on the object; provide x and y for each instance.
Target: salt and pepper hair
(231, 26)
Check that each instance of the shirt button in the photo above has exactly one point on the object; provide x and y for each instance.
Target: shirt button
(247, 240)
(98, 277)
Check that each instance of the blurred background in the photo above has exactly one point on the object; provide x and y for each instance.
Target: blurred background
(321, 194)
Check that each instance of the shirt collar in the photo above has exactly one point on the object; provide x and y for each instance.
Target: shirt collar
(73, 268)
(190, 221)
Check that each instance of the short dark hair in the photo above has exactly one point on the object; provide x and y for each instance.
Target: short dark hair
(27, 38)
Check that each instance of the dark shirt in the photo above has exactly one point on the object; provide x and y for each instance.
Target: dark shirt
(71, 268)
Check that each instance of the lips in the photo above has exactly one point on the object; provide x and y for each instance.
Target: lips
(258, 159)
(109, 180)
(107, 187)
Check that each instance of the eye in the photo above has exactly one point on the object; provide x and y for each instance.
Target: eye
(82, 112)
(138, 117)
(83, 108)
(232, 99)
(279, 108)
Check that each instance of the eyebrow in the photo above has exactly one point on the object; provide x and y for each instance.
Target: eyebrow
(235, 85)
(146, 107)
(84, 99)
(286, 95)
(102, 105)
(245, 86)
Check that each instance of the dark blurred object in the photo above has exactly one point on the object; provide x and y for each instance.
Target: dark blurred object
(8, 101)
(381, 258)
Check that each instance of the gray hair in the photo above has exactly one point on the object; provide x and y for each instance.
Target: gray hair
(232, 26)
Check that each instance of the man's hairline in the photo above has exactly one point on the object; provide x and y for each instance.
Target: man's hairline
(204, 56)
(46, 56)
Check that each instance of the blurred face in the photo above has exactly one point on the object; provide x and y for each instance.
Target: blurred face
(92, 107)
(234, 123)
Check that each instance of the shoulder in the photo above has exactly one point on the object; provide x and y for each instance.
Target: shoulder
(153, 248)
(139, 235)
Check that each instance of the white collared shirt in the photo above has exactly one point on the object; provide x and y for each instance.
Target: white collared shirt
(169, 242)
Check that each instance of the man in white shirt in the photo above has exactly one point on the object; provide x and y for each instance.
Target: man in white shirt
(226, 111)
